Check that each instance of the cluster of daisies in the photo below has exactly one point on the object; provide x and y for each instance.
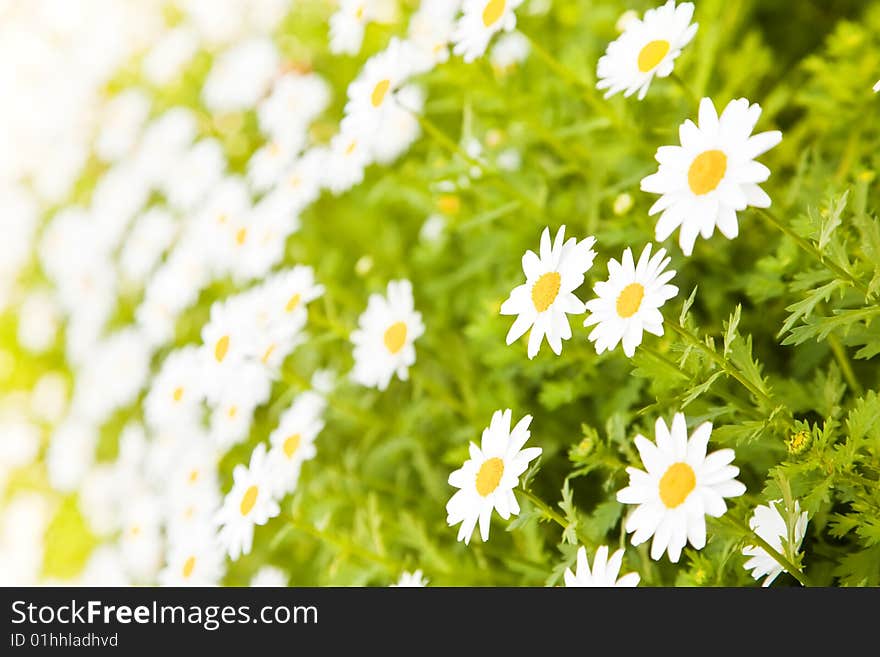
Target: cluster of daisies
(169, 217)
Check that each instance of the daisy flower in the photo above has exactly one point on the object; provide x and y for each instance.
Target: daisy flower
(348, 156)
(487, 479)
(295, 101)
(347, 26)
(629, 302)
(248, 387)
(411, 580)
(480, 20)
(227, 340)
(196, 560)
(681, 486)
(768, 523)
(176, 393)
(712, 175)
(604, 571)
(249, 503)
(293, 441)
(269, 576)
(647, 48)
(383, 341)
(543, 302)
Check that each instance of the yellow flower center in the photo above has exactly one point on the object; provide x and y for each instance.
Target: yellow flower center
(351, 147)
(233, 410)
(707, 170)
(545, 290)
(248, 500)
(188, 567)
(492, 11)
(379, 92)
(291, 444)
(395, 337)
(178, 394)
(292, 303)
(630, 300)
(241, 236)
(489, 475)
(221, 348)
(193, 476)
(676, 484)
(267, 354)
(652, 54)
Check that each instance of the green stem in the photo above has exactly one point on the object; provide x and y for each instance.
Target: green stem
(843, 360)
(813, 251)
(721, 361)
(346, 546)
(544, 508)
(787, 565)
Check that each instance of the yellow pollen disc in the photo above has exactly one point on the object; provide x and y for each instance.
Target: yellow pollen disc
(379, 92)
(189, 566)
(267, 354)
(492, 11)
(135, 530)
(351, 147)
(295, 181)
(707, 170)
(193, 476)
(544, 291)
(291, 444)
(178, 394)
(241, 236)
(221, 348)
(222, 218)
(359, 14)
(293, 302)
(489, 475)
(676, 484)
(232, 411)
(248, 500)
(652, 54)
(274, 149)
(395, 337)
(630, 300)
(190, 511)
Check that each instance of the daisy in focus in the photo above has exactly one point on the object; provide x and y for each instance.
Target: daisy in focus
(647, 48)
(681, 486)
(411, 580)
(543, 302)
(383, 341)
(248, 503)
(628, 303)
(480, 20)
(604, 571)
(768, 523)
(712, 175)
(487, 479)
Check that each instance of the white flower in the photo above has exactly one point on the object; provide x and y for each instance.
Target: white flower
(196, 559)
(712, 175)
(300, 185)
(249, 503)
(768, 523)
(411, 580)
(383, 341)
(269, 163)
(346, 160)
(163, 142)
(295, 101)
(121, 124)
(480, 20)
(510, 50)
(430, 31)
(487, 479)
(227, 341)
(293, 441)
(49, 397)
(152, 234)
(629, 302)
(545, 300)
(141, 538)
(193, 175)
(243, 392)
(877, 86)
(681, 486)
(166, 59)
(38, 321)
(400, 128)
(240, 76)
(647, 48)
(176, 392)
(347, 26)
(604, 572)
(269, 576)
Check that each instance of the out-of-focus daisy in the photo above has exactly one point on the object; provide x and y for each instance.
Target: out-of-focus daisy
(295, 100)
(240, 76)
(266, 167)
(141, 537)
(347, 26)
(248, 387)
(430, 31)
(121, 124)
(152, 233)
(543, 302)
(227, 339)
(269, 576)
(510, 50)
(629, 302)
(647, 48)
(176, 392)
(604, 571)
(681, 486)
(712, 175)
(38, 321)
(167, 58)
(293, 441)
(348, 156)
(411, 580)
(480, 20)
(248, 503)
(487, 479)
(400, 128)
(768, 523)
(383, 341)
(195, 560)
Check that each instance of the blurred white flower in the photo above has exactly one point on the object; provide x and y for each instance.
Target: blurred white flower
(241, 75)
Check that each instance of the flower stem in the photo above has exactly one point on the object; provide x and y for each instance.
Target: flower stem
(843, 360)
(787, 565)
(544, 508)
(813, 251)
